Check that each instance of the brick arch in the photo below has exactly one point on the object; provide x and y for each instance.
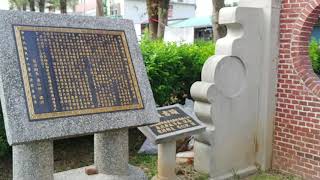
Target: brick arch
(301, 35)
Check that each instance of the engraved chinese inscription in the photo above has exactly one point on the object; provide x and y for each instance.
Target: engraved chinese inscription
(69, 71)
(171, 120)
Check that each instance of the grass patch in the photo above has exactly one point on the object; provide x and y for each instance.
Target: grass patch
(272, 175)
(146, 162)
(149, 165)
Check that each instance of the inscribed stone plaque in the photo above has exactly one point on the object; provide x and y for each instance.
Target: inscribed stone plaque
(70, 71)
(64, 76)
(174, 123)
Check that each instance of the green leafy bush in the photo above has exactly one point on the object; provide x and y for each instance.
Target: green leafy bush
(4, 147)
(172, 68)
(314, 54)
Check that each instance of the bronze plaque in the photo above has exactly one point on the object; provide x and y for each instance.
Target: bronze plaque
(72, 71)
(172, 119)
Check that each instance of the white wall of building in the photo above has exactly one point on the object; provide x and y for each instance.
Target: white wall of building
(204, 7)
(180, 35)
(136, 10)
(183, 10)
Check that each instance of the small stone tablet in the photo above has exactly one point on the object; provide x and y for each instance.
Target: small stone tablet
(175, 123)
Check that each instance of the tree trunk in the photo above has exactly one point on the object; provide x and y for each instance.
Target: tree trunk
(219, 31)
(24, 5)
(99, 9)
(32, 5)
(63, 6)
(152, 8)
(42, 5)
(163, 17)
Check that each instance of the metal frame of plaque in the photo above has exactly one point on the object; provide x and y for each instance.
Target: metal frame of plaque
(173, 135)
(39, 49)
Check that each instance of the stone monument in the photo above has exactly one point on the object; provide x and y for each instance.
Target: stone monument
(175, 123)
(235, 97)
(64, 76)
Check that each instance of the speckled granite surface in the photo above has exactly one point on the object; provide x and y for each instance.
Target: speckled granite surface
(18, 127)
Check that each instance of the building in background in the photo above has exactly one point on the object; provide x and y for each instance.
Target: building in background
(204, 7)
(136, 10)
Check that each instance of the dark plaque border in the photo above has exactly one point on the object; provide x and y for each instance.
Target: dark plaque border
(26, 83)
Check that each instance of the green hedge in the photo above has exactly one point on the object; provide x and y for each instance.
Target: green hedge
(4, 147)
(314, 53)
(173, 68)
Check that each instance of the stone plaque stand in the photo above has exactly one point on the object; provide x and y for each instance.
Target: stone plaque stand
(30, 130)
(166, 161)
(181, 124)
(111, 152)
(33, 161)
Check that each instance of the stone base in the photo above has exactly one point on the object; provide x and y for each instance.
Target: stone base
(79, 174)
(178, 178)
(241, 173)
(201, 157)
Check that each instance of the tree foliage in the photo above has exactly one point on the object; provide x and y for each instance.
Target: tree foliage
(172, 68)
(314, 54)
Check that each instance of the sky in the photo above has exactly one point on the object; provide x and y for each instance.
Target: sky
(4, 4)
(204, 7)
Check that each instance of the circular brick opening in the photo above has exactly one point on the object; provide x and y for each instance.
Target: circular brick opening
(300, 40)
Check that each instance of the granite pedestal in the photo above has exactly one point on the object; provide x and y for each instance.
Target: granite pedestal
(111, 152)
(167, 161)
(33, 161)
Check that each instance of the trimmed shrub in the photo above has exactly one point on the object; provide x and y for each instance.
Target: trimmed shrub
(172, 68)
(314, 54)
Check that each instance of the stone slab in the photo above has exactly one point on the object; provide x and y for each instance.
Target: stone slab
(79, 174)
(175, 123)
(19, 128)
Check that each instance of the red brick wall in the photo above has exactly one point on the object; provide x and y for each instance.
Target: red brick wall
(296, 146)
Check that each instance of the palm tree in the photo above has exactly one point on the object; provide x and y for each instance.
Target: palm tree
(152, 8)
(163, 17)
(99, 9)
(63, 6)
(42, 5)
(32, 5)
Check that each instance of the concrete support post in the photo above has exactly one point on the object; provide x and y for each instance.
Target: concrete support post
(111, 152)
(33, 161)
(167, 161)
